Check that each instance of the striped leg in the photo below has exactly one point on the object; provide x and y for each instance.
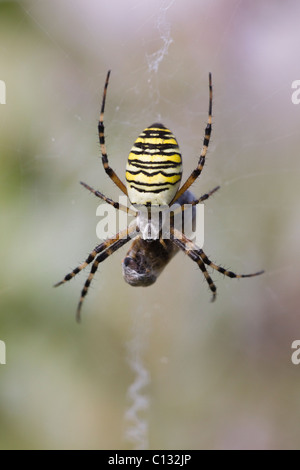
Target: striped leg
(99, 248)
(195, 257)
(116, 205)
(225, 271)
(186, 205)
(204, 196)
(194, 175)
(101, 257)
(79, 268)
(197, 254)
(106, 166)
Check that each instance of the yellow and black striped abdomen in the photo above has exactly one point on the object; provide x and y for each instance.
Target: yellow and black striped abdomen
(154, 170)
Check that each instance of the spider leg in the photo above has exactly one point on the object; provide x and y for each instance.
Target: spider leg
(205, 196)
(98, 249)
(226, 272)
(79, 268)
(106, 166)
(194, 175)
(116, 205)
(206, 260)
(195, 253)
(195, 257)
(110, 249)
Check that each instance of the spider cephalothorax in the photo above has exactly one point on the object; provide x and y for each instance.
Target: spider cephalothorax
(153, 175)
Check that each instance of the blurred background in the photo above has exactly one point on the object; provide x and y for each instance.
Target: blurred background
(158, 367)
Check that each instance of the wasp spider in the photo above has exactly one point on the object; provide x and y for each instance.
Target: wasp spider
(153, 175)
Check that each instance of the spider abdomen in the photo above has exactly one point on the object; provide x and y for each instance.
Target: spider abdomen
(154, 167)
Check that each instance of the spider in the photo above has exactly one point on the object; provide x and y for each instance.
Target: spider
(153, 176)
